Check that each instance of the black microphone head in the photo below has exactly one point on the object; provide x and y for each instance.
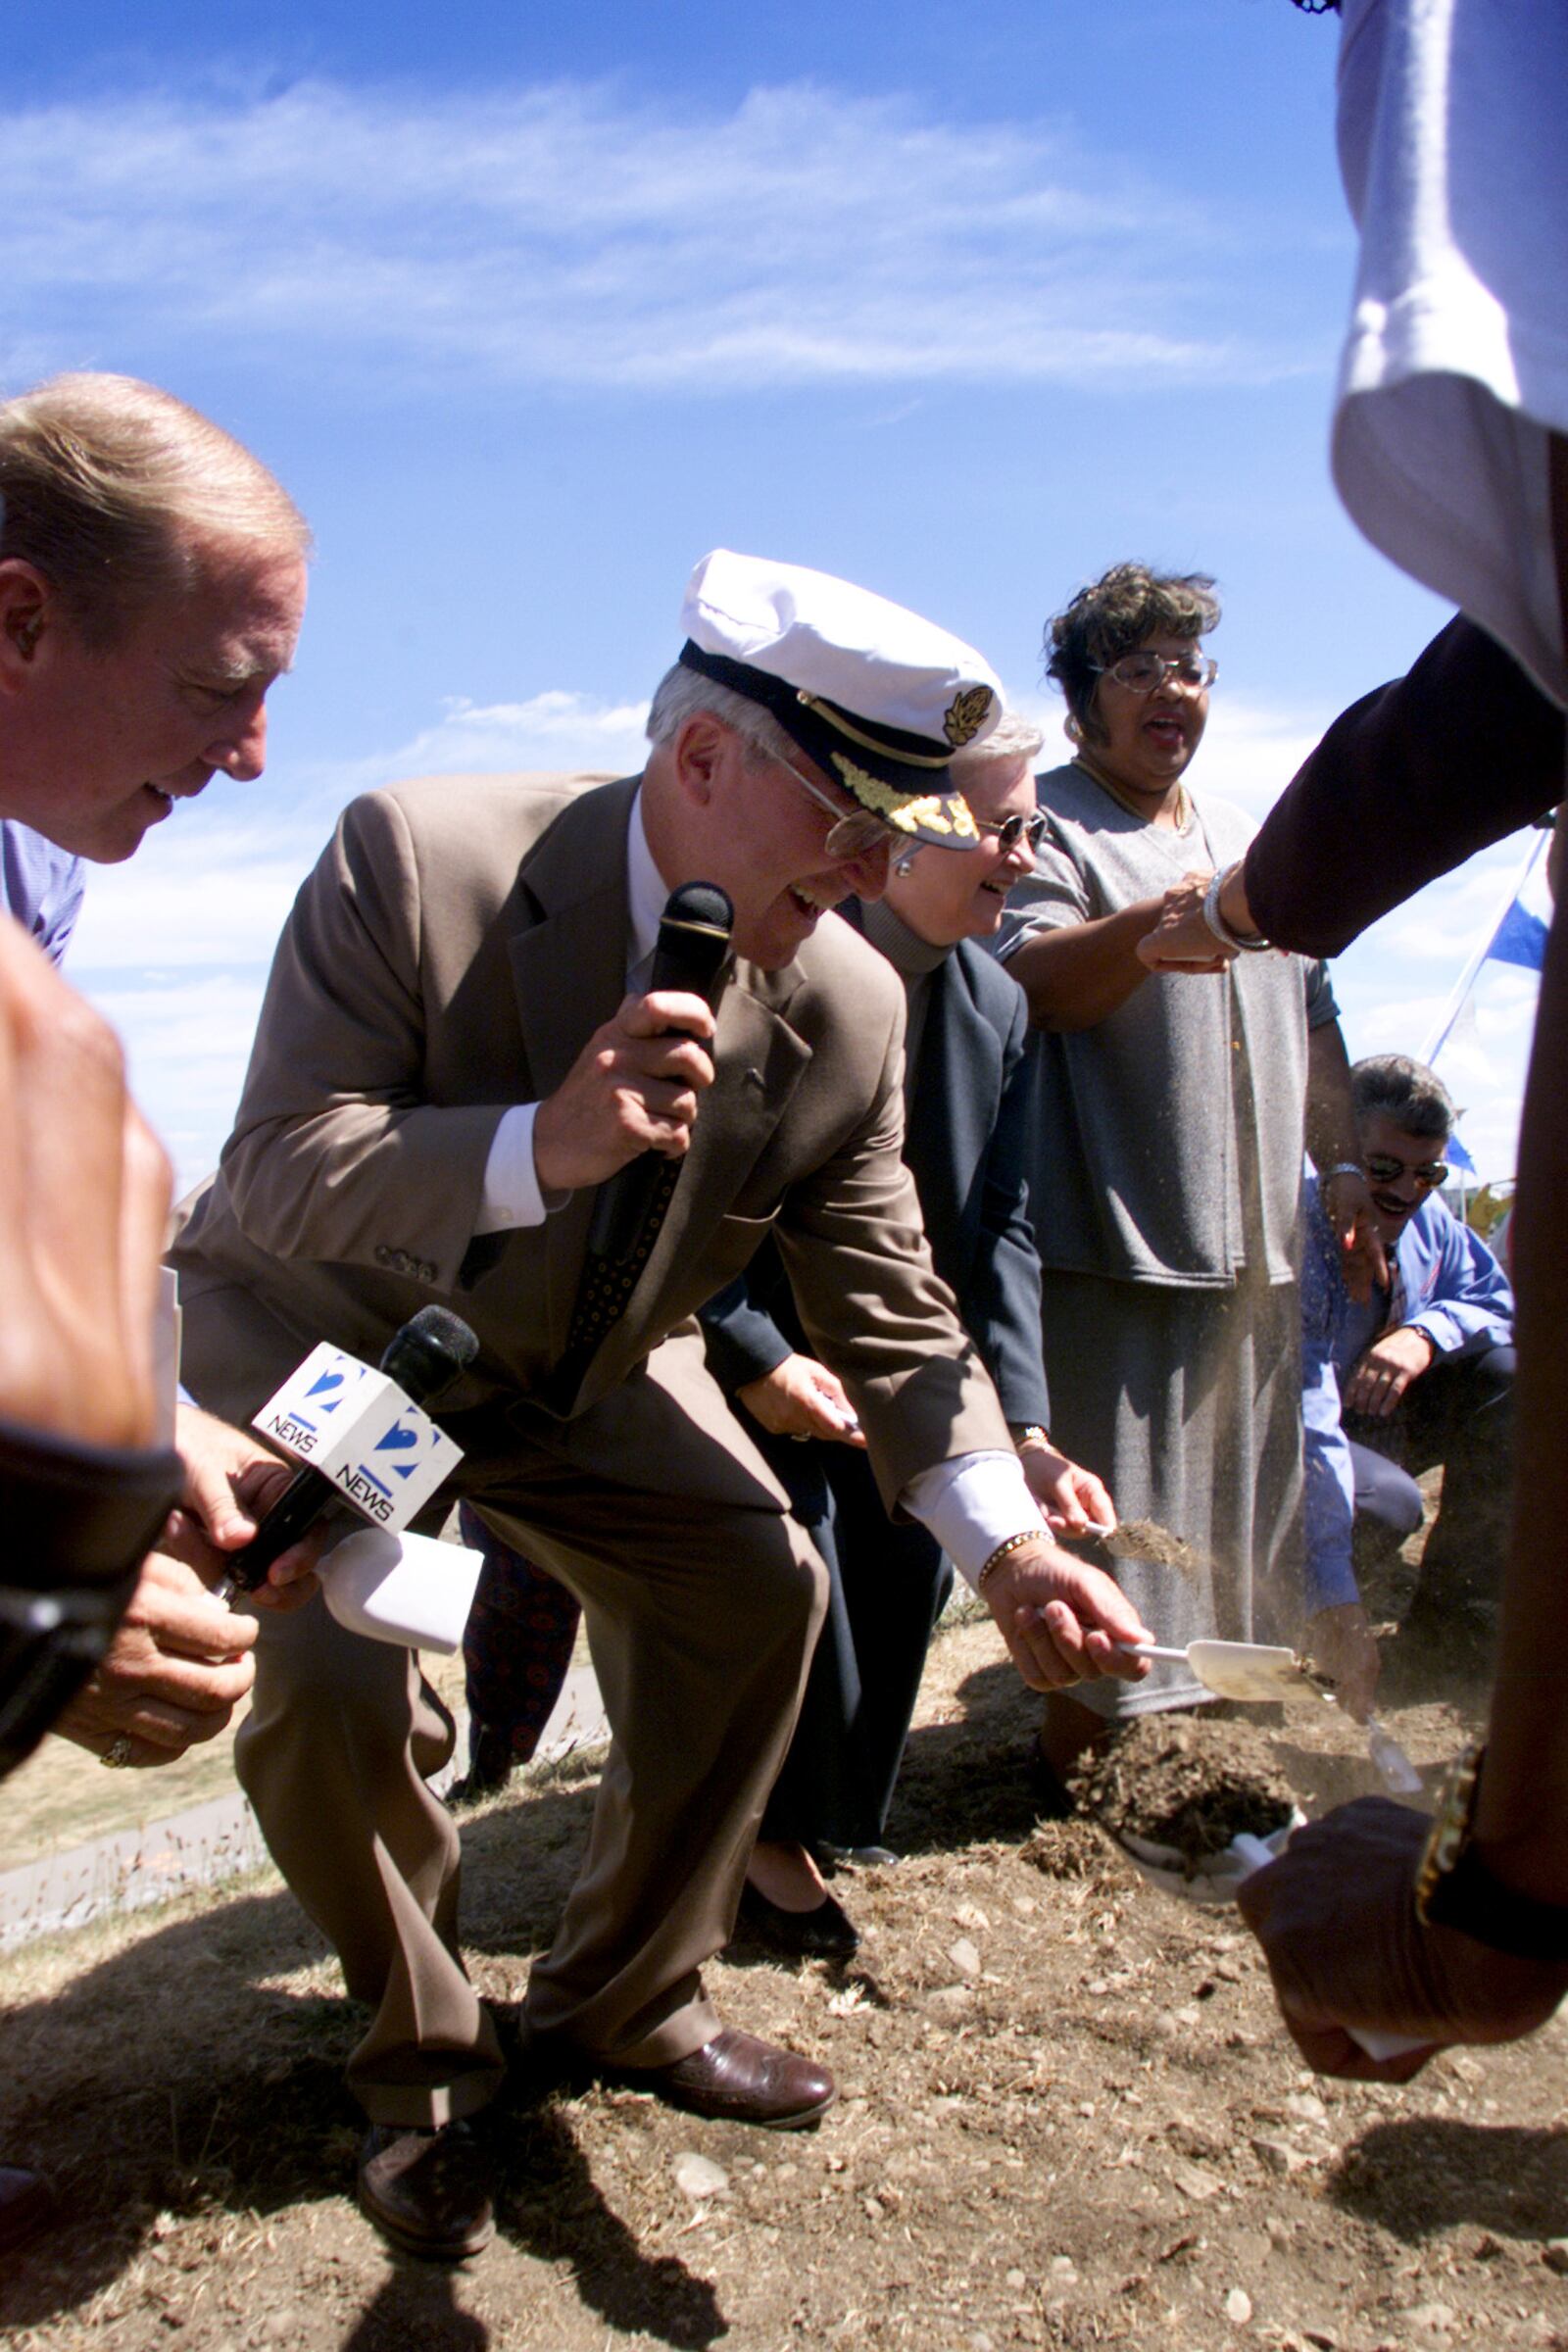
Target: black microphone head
(694, 934)
(428, 1353)
(702, 902)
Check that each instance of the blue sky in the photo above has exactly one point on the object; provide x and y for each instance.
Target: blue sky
(530, 307)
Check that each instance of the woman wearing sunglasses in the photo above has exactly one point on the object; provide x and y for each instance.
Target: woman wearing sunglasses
(1165, 1175)
(968, 1087)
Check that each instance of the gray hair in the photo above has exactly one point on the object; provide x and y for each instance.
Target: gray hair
(1406, 1091)
(1012, 738)
(683, 692)
(117, 493)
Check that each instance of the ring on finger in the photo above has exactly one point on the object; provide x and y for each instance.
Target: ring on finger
(118, 1754)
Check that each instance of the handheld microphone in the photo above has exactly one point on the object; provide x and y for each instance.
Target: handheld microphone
(424, 1357)
(692, 955)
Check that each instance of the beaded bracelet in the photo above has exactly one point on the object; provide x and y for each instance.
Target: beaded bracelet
(1030, 1535)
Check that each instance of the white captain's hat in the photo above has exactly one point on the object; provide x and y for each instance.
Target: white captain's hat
(878, 698)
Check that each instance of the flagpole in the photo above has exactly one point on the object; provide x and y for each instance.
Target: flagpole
(1467, 978)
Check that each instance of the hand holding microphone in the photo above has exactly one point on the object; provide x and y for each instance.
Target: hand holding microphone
(360, 1438)
(635, 1088)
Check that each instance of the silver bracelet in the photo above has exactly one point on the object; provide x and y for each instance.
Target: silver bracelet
(1344, 1167)
(1244, 943)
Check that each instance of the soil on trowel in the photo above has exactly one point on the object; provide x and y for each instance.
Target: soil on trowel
(1146, 1540)
(1190, 1782)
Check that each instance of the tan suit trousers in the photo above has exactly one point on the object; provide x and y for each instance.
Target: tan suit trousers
(701, 1600)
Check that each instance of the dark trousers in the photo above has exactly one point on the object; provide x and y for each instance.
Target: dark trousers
(517, 1642)
(888, 1583)
(1459, 1413)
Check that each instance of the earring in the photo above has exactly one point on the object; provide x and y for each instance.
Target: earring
(905, 864)
(1072, 727)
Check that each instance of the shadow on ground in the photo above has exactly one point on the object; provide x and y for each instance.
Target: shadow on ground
(188, 2075)
(1424, 2174)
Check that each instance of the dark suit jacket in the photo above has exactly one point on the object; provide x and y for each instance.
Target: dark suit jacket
(1408, 783)
(455, 947)
(965, 1145)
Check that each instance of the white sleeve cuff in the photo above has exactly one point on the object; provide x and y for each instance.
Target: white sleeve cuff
(512, 1195)
(971, 1503)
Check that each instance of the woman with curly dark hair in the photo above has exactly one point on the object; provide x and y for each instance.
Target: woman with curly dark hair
(1166, 1175)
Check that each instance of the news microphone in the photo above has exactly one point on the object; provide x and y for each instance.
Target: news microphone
(692, 955)
(422, 1357)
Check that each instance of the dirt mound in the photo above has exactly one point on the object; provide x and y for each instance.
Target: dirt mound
(1189, 1781)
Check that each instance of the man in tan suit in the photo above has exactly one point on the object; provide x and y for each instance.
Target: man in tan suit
(454, 1053)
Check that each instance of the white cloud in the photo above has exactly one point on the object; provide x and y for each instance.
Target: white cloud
(557, 730)
(562, 235)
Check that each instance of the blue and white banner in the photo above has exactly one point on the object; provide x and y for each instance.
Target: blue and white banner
(1516, 935)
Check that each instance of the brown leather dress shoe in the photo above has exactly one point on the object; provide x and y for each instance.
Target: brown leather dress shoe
(739, 2079)
(427, 2191)
(27, 2206)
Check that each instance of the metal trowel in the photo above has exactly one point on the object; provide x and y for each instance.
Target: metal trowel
(1263, 1670)
(1245, 1669)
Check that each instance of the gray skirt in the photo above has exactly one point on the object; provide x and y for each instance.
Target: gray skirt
(1187, 1403)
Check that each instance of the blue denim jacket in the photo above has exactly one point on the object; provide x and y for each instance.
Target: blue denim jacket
(1456, 1292)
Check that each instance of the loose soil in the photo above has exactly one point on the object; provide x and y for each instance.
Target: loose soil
(1188, 1782)
(1068, 2116)
(1146, 1540)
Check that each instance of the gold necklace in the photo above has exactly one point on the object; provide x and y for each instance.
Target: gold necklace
(1124, 799)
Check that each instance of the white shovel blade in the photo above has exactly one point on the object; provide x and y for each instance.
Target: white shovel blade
(1238, 1669)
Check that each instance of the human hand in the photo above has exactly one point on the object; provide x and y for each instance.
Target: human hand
(802, 1398)
(231, 1481)
(1062, 1621)
(634, 1088)
(1069, 1496)
(1181, 940)
(1335, 1918)
(1347, 1205)
(1386, 1371)
(1342, 1647)
(175, 1670)
(84, 1191)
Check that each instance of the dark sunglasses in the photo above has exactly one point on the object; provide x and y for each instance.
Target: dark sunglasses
(1009, 830)
(1384, 1170)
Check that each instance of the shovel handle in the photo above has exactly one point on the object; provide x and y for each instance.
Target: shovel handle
(1151, 1650)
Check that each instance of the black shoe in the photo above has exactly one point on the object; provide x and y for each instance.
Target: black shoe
(427, 2191)
(27, 2206)
(826, 1933)
(490, 1763)
(852, 1857)
(1049, 1793)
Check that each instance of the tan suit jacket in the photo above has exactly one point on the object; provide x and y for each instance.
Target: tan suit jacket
(450, 955)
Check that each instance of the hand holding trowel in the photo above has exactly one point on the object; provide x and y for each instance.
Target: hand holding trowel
(1249, 1671)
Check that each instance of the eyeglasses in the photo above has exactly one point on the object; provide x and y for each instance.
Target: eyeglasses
(1383, 1168)
(855, 835)
(1141, 673)
(1009, 830)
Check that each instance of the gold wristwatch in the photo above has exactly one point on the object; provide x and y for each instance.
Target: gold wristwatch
(1454, 1888)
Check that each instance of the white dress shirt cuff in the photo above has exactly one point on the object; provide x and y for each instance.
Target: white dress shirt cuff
(512, 1195)
(971, 1503)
